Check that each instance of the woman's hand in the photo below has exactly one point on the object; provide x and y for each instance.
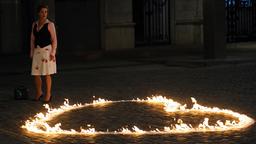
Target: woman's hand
(52, 57)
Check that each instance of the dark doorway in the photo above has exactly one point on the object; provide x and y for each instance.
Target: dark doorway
(241, 20)
(152, 18)
(78, 25)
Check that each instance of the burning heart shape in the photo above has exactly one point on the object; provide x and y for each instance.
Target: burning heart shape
(39, 124)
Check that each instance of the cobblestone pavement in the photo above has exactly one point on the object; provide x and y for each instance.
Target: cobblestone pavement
(230, 86)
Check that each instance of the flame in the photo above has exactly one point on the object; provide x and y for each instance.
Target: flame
(39, 124)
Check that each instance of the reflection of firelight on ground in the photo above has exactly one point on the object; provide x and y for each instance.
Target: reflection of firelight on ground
(39, 124)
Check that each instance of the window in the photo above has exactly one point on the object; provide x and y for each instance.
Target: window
(241, 3)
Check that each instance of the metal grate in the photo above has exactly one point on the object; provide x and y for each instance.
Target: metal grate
(152, 18)
(241, 20)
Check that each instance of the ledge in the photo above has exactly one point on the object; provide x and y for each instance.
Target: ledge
(115, 25)
(189, 22)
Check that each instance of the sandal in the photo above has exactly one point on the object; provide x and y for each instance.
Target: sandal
(38, 99)
(45, 102)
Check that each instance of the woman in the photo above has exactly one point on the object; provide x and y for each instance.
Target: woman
(42, 52)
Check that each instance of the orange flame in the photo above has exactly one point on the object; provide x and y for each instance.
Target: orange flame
(39, 124)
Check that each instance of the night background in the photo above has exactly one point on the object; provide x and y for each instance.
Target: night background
(125, 49)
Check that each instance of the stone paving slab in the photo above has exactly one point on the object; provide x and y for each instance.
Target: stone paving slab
(229, 84)
(225, 86)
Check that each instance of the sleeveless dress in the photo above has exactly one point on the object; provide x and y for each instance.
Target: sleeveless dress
(41, 63)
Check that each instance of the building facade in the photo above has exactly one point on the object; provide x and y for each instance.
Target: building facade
(92, 25)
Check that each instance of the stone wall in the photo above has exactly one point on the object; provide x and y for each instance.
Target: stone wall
(16, 18)
(10, 26)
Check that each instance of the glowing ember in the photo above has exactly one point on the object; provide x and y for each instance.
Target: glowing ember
(39, 124)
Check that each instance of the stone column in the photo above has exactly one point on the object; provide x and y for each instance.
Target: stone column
(11, 38)
(118, 29)
(188, 22)
(214, 29)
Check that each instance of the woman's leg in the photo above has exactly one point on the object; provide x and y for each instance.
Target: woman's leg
(48, 81)
(38, 83)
